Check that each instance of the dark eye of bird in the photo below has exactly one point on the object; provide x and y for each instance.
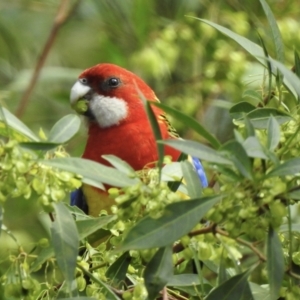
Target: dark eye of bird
(114, 82)
(83, 80)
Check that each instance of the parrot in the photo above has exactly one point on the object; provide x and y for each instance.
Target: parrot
(108, 97)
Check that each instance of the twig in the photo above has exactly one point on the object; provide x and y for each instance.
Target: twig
(245, 243)
(62, 15)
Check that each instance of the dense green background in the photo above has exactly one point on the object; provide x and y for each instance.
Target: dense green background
(190, 65)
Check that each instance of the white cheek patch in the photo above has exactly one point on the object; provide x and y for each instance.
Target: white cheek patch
(108, 111)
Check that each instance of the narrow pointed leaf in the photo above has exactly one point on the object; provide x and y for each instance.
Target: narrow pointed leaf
(13, 122)
(240, 158)
(119, 164)
(258, 292)
(248, 45)
(157, 134)
(253, 95)
(260, 117)
(239, 110)
(273, 131)
(290, 78)
(290, 167)
(249, 127)
(64, 129)
(275, 263)
(91, 225)
(177, 220)
(65, 242)
(184, 280)
(191, 179)
(254, 148)
(276, 36)
(190, 123)
(158, 271)
(237, 287)
(117, 271)
(297, 63)
(93, 173)
(44, 146)
(222, 273)
(198, 150)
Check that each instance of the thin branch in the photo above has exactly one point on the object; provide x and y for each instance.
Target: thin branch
(243, 242)
(62, 15)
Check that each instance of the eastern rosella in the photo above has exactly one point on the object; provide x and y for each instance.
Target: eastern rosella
(118, 124)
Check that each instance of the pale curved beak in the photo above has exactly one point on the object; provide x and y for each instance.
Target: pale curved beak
(78, 91)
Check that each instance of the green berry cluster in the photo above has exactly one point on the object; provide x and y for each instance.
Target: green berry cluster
(22, 175)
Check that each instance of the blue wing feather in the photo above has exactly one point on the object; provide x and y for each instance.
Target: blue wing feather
(78, 199)
(200, 171)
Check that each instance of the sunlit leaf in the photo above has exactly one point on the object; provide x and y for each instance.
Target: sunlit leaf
(177, 220)
(185, 280)
(290, 167)
(253, 95)
(197, 150)
(273, 131)
(275, 263)
(65, 242)
(275, 33)
(260, 117)
(191, 179)
(158, 271)
(14, 123)
(64, 129)
(258, 292)
(93, 173)
(119, 164)
(254, 148)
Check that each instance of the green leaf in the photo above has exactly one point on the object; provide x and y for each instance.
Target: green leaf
(239, 157)
(93, 173)
(119, 164)
(258, 292)
(275, 263)
(177, 220)
(237, 287)
(297, 63)
(158, 271)
(197, 150)
(273, 130)
(290, 167)
(260, 117)
(77, 298)
(223, 276)
(64, 129)
(253, 95)
(290, 79)
(14, 123)
(117, 271)
(157, 134)
(249, 127)
(44, 146)
(65, 242)
(254, 148)
(239, 110)
(43, 256)
(191, 179)
(1, 218)
(91, 225)
(190, 123)
(185, 280)
(276, 36)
